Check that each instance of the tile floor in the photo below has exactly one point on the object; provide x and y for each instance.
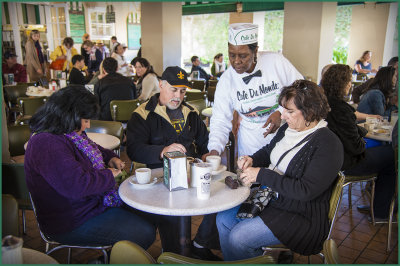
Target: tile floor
(358, 241)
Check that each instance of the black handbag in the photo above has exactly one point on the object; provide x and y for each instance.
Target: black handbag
(260, 197)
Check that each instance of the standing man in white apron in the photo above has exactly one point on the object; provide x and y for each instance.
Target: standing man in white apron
(251, 86)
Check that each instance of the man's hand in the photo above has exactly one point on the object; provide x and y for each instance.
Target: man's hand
(39, 71)
(212, 152)
(244, 162)
(173, 147)
(116, 163)
(275, 121)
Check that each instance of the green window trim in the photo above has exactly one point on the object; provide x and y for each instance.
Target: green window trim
(37, 14)
(7, 13)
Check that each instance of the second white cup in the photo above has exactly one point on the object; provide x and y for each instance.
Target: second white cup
(214, 160)
(143, 175)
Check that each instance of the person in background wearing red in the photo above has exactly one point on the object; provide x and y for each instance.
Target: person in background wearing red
(12, 67)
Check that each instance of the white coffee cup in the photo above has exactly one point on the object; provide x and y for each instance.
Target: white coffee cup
(143, 175)
(214, 160)
(197, 170)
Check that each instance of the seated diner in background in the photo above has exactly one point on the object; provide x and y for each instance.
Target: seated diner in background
(303, 179)
(357, 159)
(118, 54)
(95, 56)
(12, 67)
(65, 52)
(218, 67)
(147, 83)
(113, 86)
(75, 76)
(163, 124)
(375, 101)
(71, 179)
(363, 65)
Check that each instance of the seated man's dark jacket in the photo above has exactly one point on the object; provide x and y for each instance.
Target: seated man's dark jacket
(342, 121)
(150, 130)
(114, 86)
(76, 77)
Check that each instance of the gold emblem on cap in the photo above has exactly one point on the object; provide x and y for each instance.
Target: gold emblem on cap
(180, 75)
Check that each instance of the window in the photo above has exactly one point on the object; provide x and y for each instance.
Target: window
(273, 35)
(99, 29)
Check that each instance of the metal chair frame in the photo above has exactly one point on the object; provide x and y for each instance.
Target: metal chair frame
(332, 212)
(60, 246)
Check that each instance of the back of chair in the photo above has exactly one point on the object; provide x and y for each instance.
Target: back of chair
(172, 258)
(198, 84)
(18, 135)
(331, 254)
(200, 105)
(334, 201)
(210, 93)
(193, 95)
(30, 105)
(10, 225)
(212, 83)
(121, 110)
(126, 252)
(14, 183)
(14, 92)
(113, 128)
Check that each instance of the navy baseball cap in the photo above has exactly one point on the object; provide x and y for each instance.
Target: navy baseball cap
(9, 54)
(176, 77)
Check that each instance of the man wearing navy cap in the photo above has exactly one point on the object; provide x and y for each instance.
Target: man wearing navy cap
(12, 67)
(166, 123)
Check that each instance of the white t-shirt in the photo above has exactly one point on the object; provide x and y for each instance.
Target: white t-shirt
(254, 102)
(123, 70)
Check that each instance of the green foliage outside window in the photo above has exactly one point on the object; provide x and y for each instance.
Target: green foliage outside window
(273, 28)
(342, 33)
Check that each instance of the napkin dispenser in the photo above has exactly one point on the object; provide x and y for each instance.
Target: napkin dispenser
(175, 172)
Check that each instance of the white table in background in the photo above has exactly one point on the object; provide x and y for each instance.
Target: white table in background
(207, 112)
(380, 137)
(105, 140)
(158, 199)
(30, 256)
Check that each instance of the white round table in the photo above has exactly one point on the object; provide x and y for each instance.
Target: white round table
(45, 92)
(105, 140)
(30, 256)
(158, 199)
(207, 112)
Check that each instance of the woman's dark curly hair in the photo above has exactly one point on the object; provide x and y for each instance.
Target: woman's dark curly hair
(335, 80)
(308, 97)
(64, 110)
(383, 80)
(144, 63)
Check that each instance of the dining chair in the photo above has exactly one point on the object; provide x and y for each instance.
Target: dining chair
(14, 183)
(198, 84)
(113, 128)
(29, 106)
(393, 201)
(334, 203)
(126, 252)
(10, 225)
(13, 92)
(210, 94)
(121, 110)
(331, 254)
(58, 245)
(200, 105)
(212, 83)
(18, 135)
(350, 179)
(194, 95)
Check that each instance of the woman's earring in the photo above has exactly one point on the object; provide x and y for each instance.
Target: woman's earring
(308, 123)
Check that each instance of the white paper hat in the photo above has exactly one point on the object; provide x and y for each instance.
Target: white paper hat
(242, 33)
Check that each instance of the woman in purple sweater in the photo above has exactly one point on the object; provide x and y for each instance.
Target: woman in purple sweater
(71, 179)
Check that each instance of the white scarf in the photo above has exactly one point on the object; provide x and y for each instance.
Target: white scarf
(69, 56)
(219, 67)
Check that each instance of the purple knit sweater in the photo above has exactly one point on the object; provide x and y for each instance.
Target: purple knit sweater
(66, 189)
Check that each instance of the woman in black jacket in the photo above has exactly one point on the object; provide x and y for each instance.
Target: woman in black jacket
(357, 159)
(303, 179)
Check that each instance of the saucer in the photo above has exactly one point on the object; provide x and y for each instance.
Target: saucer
(219, 170)
(135, 183)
